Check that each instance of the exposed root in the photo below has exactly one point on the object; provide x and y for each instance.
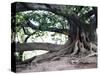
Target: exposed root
(90, 58)
(80, 52)
(79, 48)
(85, 60)
(75, 48)
(57, 65)
(93, 47)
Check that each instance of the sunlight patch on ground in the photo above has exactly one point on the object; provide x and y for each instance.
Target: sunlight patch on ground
(29, 54)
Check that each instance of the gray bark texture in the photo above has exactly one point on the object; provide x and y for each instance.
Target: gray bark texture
(79, 49)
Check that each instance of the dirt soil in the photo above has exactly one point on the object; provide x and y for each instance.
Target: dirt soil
(64, 63)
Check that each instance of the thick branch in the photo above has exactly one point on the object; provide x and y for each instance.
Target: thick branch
(21, 6)
(37, 46)
(57, 9)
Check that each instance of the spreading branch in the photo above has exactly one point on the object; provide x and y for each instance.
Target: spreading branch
(37, 46)
(56, 9)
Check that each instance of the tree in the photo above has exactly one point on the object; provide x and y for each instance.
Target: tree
(79, 23)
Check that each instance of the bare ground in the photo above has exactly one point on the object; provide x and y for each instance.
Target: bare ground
(64, 63)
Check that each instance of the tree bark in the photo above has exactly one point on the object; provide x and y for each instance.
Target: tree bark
(37, 46)
(78, 34)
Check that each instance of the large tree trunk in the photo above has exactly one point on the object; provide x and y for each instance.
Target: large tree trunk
(81, 38)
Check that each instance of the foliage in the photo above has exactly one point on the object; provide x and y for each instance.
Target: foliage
(46, 19)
